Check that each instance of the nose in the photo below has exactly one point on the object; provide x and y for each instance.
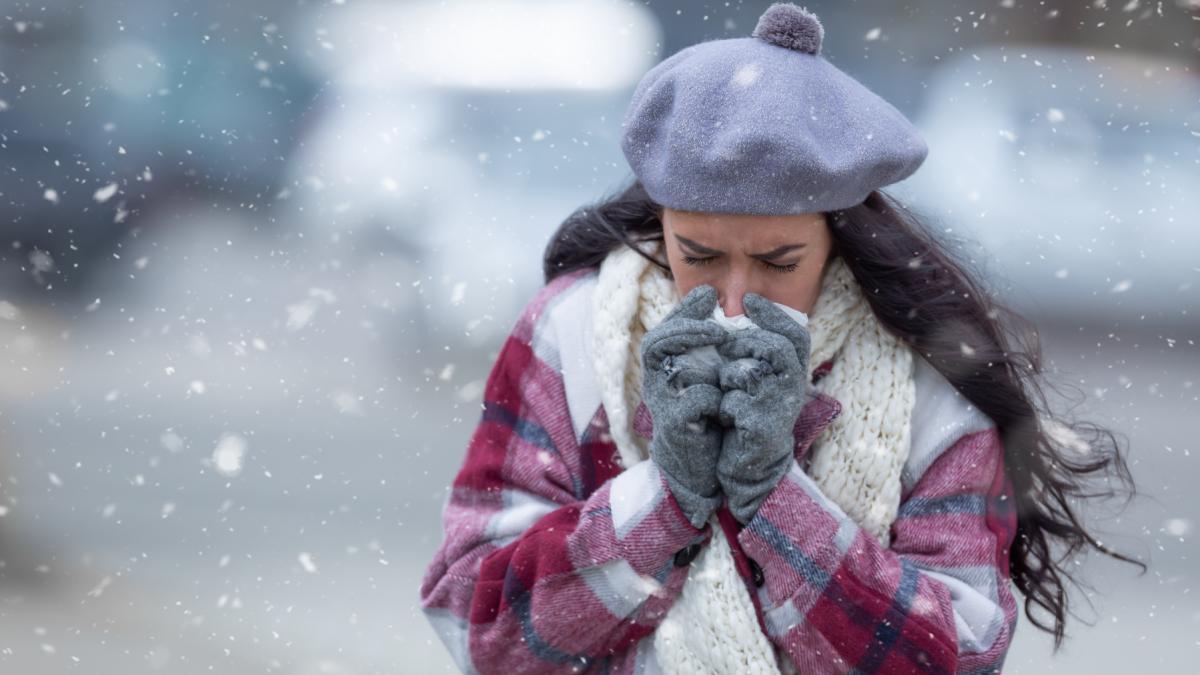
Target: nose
(730, 295)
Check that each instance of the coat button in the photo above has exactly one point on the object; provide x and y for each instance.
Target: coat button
(757, 572)
(685, 556)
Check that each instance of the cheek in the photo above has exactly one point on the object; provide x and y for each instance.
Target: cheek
(803, 290)
(687, 279)
(812, 290)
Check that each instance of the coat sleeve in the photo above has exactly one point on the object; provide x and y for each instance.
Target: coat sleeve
(538, 571)
(937, 600)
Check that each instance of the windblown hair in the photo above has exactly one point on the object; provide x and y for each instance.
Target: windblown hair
(934, 302)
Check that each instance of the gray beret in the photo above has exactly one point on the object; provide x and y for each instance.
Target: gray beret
(764, 125)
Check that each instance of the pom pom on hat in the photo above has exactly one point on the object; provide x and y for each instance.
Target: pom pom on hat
(791, 27)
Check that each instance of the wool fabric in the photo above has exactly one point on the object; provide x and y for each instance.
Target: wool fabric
(764, 125)
(856, 462)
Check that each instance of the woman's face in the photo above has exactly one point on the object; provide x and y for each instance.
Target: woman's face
(779, 257)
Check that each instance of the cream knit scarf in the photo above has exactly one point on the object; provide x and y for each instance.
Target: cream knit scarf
(856, 462)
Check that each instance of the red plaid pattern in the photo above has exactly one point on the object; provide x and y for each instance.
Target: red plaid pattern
(556, 560)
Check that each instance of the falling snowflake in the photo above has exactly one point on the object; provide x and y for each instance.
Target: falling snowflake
(458, 293)
(228, 455)
(105, 193)
(1177, 527)
(1065, 436)
(747, 75)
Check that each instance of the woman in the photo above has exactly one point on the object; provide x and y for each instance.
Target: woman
(648, 490)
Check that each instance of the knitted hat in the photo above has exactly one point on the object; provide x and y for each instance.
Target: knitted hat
(764, 125)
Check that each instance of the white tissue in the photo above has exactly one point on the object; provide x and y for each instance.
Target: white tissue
(708, 355)
(741, 321)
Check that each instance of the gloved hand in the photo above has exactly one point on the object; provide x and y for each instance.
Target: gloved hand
(764, 379)
(683, 397)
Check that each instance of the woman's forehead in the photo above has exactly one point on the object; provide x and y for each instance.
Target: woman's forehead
(714, 228)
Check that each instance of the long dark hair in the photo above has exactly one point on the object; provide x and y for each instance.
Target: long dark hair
(933, 301)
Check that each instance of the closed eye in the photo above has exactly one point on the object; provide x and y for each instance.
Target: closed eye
(700, 262)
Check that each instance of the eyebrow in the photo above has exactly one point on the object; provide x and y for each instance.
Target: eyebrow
(704, 250)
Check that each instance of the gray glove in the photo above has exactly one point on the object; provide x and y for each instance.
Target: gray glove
(765, 380)
(682, 394)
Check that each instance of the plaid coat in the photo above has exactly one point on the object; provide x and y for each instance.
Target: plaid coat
(554, 559)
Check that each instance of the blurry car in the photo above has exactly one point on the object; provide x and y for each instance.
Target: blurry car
(1077, 171)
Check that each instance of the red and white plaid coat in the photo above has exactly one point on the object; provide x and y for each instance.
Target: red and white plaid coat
(557, 560)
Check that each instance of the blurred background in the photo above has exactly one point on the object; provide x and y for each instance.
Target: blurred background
(258, 256)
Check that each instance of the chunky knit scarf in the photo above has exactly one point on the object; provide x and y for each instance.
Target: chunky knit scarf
(712, 627)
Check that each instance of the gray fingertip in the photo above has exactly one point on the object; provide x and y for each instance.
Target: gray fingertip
(758, 307)
(700, 302)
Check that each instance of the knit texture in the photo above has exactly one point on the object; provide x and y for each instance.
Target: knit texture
(856, 462)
